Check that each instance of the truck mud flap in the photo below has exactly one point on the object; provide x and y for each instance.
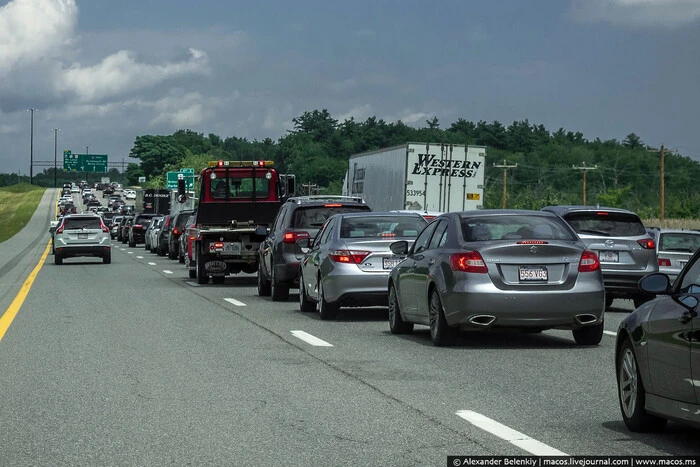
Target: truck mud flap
(215, 267)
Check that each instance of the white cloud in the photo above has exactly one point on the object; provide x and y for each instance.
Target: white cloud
(182, 111)
(360, 114)
(121, 73)
(34, 30)
(637, 13)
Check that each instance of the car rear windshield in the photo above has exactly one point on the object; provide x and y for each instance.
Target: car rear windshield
(182, 219)
(380, 226)
(685, 242)
(476, 229)
(608, 224)
(144, 221)
(313, 217)
(81, 223)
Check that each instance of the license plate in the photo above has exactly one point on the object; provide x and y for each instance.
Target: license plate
(390, 263)
(82, 236)
(532, 273)
(609, 256)
(228, 248)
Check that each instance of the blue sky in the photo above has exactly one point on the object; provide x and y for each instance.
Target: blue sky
(106, 71)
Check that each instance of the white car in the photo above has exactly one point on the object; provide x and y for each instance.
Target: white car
(75, 189)
(129, 194)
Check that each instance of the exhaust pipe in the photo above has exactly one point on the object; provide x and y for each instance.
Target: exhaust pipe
(586, 319)
(482, 320)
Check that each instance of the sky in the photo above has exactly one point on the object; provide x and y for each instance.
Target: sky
(104, 72)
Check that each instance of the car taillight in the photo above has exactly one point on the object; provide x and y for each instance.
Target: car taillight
(469, 261)
(218, 245)
(647, 243)
(137, 226)
(104, 227)
(665, 262)
(176, 231)
(59, 230)
(291, 237)
(348, 256)
(589, 262)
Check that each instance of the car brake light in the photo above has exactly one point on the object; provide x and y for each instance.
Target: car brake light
(104, 227)
(647, 243)
(428, 218)
(291, 237)
(470, 261)
(532, 242)
(176, 231)
(603, 213)
(348, 256)
(334, 205)
(219, 245)
(589, 262)
(137, 226)
(59, 230)
(665, 262)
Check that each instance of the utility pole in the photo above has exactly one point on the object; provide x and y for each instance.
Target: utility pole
(87, 152)
(585, 169)
(55, 146)
(31, 147)
(505, 167)
(662, 193)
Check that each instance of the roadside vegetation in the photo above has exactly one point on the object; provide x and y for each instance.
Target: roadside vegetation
(17, 204)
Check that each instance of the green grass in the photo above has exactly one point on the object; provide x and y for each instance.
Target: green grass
(17, 205)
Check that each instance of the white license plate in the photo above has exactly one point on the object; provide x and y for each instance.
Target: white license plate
(82, 236)
(609, 256)
(532, 273)
(390, 263)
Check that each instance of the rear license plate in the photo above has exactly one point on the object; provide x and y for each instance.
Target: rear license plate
(532, 273)
(390, 263)
(228, 248)
(609, 256)
(82, 236)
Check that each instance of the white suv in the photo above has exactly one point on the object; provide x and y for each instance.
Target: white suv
(82, 235)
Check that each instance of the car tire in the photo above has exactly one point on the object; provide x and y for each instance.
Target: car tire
(180, 256)
(441, 334)
(278, 291)
(396, 323)
(160, 250)
(589, 335)
(631, 393)
(107, 259)
(640, 300)
(172, 254)
(305, 305)
(192, 273)
(58, 259)
(263, 284)
(327, 311)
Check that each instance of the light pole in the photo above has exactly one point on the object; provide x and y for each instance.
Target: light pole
(87, 152)
(55, 146)
(31, 146)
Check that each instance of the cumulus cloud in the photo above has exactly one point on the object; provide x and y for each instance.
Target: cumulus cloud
(360, 114)
(181, 111)
(121, 73)
(637, 13)
(34, 30)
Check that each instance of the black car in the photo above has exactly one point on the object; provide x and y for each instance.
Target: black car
(162, 240)
(177, 226)
(124, 225)
(299, 217)
(137, 232)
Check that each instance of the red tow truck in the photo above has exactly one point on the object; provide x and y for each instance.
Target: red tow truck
(238, 202)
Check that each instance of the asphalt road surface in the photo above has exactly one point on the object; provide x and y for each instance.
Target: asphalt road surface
(133, 363)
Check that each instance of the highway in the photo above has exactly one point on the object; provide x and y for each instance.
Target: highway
(133, 363)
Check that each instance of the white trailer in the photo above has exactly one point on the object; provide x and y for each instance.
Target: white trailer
(419, 176)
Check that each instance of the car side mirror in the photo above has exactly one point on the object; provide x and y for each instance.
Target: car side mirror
(399, 248)
(304, 243)
(656, 283)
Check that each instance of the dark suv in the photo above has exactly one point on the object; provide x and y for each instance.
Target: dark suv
(299, 217)
(137, 232)
(177, 225)
(625, 249)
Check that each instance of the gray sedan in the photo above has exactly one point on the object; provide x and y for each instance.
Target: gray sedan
(477, 270)
(349, 260)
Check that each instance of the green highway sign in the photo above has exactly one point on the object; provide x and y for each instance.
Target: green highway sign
(84, 162)
(70, 161)
(187, 174)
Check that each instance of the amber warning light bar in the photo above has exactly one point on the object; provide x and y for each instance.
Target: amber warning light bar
(221, 163)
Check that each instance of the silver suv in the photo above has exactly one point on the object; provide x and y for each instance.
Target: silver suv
(625, 250)
(82, 235)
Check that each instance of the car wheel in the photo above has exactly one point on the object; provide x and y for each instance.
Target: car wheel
(107, 259)
(326, 310)
(589, 335)
(180, 256)
(161, 250)
(304, 304)
(58, 259)
(192, 273)
(441, 333)
(631, 394)
(396, 323)
(640, 300)
(279, 291)
(132, 244)
(608, 301)
(172, 254)
(263, 284)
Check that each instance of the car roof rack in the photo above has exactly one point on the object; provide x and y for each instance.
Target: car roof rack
(311, 198)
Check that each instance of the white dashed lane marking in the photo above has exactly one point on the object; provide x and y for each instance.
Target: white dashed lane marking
(167, 271)
(310, 339)
(140, 257)
(152, 264)
(610, 333)
(233, 301)
(508, 434)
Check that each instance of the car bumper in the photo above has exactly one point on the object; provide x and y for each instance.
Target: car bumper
(357, 289)
(621, 283)
(85, 250)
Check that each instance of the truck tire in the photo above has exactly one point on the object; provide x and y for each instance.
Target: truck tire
(201, 273)
(279, 291)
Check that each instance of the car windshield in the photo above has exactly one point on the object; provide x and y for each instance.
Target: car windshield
(314, 216)
(380, 226)
(239, 187)
(517, 227)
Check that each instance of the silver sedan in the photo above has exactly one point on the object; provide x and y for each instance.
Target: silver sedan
(349, 260)
(497, 269)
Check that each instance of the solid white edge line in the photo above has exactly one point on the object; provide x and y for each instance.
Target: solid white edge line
(193, 284)
(152, 264)
(610, 333)
(234, 302)
(310, 339)
(508, 434)
(167, 271)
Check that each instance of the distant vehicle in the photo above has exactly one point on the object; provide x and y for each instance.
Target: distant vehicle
(626, 251)
(656, 353)
(487, 269)
(52, 229)
(177, 228)
(114, 228)
(299, 217)
(129, 194)
(75, 189)
(163, 236)
(137, 232)
(419, 176)
(82, 235)
(674, 248)
(349, 260)
(185, 250)
(151, 236)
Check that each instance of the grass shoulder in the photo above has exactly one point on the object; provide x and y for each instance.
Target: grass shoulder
(17, 205)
